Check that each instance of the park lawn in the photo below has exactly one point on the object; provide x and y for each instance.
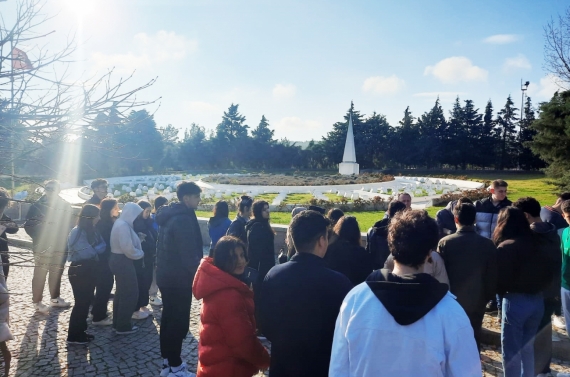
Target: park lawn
(298, 198)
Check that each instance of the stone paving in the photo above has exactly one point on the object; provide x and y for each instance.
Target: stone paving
(39, 347)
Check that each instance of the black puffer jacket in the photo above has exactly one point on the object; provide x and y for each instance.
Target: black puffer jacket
(350, 260)
(548, 241)
(179, 246)
(261, 249)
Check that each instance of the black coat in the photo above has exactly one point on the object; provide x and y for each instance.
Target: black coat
(145, 226)
(471, 265)
(104, 227)
(179, 246)
(11, 230)
(261, 249)
(299, 303)
(351, 260)
(377, 243)
(49, 224)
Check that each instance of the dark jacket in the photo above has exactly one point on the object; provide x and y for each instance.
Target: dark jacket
(350, 260)
(179, 246)
(549, 242)
(445, 220)
(237, 229)
(49, 224)
(550, 215)
(104, 227)
(300, 301)
(94, 200)
(145, 226)
(9, 229)
(471, 265)
(217, 228)
(487, 214)
(377, 243)
(523, 268)
(261, 249)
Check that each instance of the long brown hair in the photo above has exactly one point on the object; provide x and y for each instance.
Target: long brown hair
(511, 224)
(347, 228)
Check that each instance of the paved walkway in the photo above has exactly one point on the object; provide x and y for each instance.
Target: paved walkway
(39, 347)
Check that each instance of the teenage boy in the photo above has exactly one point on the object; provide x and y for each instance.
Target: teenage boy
(99, 187)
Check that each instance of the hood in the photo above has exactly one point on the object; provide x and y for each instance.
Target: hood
(407, 298)
(381, 227)
(210, 279)
(165, 213)
(216, 221)
(130, 213)
(547, 232)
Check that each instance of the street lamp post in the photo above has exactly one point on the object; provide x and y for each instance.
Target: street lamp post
(524, 87)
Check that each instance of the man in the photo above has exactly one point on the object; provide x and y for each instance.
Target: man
(547, 239)
(153, 291)
(565, 290)
(179, 251)
(445, 218)
(300, 301)
(553, 214)
(377, 236)
(404, 323)
(471, 265)
(49, 222)
(237, 227)
(99, 187)
(6, 226)
(405, 198)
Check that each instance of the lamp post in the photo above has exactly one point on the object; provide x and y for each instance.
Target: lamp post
(524, 87)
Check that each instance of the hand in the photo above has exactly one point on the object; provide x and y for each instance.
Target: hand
(142, 236)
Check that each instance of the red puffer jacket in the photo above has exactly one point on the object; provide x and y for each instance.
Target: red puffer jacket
(228, 345)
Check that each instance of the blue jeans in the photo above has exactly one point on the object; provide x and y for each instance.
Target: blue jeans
(521, 316)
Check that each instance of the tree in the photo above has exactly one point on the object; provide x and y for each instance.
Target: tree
(194, 151)
(472, 122)
(506, 122)
(405, 141)
(557, 49)
(526, 158)
(231, 142)
(432, 126)
(552, 139)
(334, 141)
(263, 133)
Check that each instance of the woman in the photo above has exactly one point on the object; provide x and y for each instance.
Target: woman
(125, 248)
(260, 236)
(219, 224)
(85, 244)
(228, 344)
(334, 215)
(345, 254)
(105, 280)
(143, 226)
(237, 227)
(523, 274)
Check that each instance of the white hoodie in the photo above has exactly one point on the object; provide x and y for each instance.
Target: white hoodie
(124, 240)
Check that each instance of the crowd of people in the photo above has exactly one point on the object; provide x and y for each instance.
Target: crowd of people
(410, 301)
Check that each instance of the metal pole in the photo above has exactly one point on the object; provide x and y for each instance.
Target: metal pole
(522, 101)
(12, 111)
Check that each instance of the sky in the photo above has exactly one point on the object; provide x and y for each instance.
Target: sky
(301, 63)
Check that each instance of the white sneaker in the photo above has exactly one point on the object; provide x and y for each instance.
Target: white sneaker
(41, 307)
(182, 372)
(104, 322)
(59, 303)
(559, 323)
(154, 300)
(139, 315)
(145, 309)
(165, 371)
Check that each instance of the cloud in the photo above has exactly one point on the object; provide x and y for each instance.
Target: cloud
(147, 51)
(456, 69)
(545, 89)
(293, 123)
(518, 62)
(443, 96)
(501, 39)
(284, 91)
(383, 85)
(201, 107)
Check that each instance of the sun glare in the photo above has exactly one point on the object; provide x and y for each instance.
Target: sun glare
(80, 8)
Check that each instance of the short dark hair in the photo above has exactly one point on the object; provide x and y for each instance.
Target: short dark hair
(144, 204)
(334, 215)
(221, 209)
(306, 229)
(225, 253)
(159, 202)
(465, 213)
(411, 236)
(257, 208)
(404, 193)
(4, 197)
(499, 183)
(565, 206)
(394, 207)
(347, 228)
(528, 205)
(464, 199)
(564, 196)
(98, 182)
(187, 188)
(244, 201)
(107, 206)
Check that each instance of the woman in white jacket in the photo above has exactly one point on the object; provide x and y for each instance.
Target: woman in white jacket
(125, 247)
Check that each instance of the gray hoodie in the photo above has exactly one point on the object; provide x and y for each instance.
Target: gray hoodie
(124, 240)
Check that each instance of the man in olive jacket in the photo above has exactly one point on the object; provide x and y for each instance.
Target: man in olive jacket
(471, 264)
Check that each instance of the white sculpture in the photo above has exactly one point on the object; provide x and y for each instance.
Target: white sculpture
(348, 166)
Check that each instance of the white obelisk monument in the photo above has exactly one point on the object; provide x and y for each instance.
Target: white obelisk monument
(348, 166)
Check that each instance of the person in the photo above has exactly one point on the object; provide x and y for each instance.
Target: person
(48, 223)
(218, 224)
(179, 251)
(553, 214)
(300, 301)
(85, 244)
(546, 236)
(345, 254)
(565, 245)
(404, 322)
(297, 210)
(286, 256)
(145, 266)
(260, 241)
(471, 265)
(7, 226)
(318, 209)
(405, 198)
(125, 248)
(524, 272)
(377, 236)
(334, 215)
(104, 278)
(228, 345)
(237, 227)
(99, 187)
(446, 219)
(153, 291)
(5, 332)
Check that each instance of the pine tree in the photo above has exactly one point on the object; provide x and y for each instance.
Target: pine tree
(263, 133)
(506, 122)
(527, 159)
(472, 123)
(432, 125)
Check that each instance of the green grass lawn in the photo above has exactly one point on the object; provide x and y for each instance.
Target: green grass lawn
(298, 198)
